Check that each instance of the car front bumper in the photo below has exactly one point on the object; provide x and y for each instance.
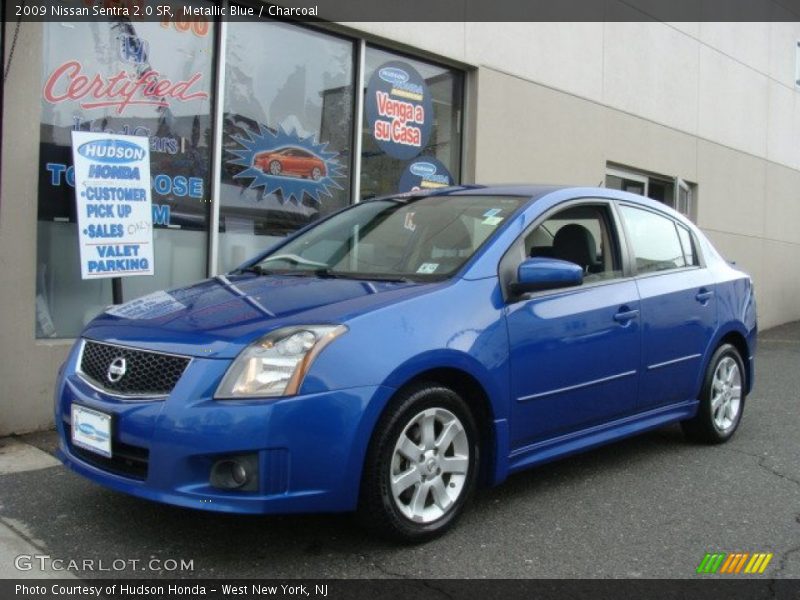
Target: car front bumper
(310, 448)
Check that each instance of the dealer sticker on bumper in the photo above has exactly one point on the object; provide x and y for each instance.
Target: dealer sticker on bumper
(91, 430)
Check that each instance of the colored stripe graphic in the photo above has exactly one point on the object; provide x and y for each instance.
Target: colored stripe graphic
(758, 563)
(734, 563)
(711, 562)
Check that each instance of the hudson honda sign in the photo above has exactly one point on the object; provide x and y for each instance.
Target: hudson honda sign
(113, 204)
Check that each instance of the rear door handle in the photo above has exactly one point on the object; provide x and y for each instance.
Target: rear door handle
(704, 295)
(624, 315)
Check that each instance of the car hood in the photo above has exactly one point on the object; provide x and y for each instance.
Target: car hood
(216, 317)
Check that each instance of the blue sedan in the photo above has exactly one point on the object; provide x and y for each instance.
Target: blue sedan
(393, 356)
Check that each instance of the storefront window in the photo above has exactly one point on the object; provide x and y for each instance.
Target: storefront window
(411, 137)
(287, 133)
(135, 78)
(288, 126)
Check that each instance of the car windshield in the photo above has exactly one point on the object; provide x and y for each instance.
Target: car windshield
(414, 238)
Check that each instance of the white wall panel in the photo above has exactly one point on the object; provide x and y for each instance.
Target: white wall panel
(651, 70)
(733, 103)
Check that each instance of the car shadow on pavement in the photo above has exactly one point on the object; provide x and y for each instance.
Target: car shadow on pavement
(76, 519)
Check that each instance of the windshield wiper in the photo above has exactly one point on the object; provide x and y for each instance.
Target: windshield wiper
(257, 269)
(326, 273)
(373, 277)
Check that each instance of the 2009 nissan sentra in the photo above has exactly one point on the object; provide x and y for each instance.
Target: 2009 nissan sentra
(392, 357)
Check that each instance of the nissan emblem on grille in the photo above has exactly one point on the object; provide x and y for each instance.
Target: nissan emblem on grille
(125, 371)
(116, 370)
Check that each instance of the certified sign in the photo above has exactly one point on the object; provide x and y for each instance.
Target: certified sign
(114, 207)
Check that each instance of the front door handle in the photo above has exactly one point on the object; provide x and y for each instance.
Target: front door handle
(704, 295)
(624, 315)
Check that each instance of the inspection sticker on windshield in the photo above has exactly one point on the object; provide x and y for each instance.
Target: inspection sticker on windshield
(492, 220)
(427, 268)
(492, 212)
(91, 430)
(151, 306)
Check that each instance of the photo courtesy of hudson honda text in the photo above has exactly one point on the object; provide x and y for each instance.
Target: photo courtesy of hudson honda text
(138, 590)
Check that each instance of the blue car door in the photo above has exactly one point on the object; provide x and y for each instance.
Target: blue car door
(574, 353)
(678, 306)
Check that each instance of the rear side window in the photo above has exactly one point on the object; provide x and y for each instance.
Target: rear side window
(655, 240)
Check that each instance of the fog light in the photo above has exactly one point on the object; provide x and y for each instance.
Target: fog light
(236, 473)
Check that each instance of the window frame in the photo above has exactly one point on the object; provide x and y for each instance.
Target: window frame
(701, 264)
(682, 185)
(515, 254)
(630, 176)
(364, 44)
(646, 178)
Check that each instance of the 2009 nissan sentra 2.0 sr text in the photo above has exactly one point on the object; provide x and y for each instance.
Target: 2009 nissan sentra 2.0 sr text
(394, 356)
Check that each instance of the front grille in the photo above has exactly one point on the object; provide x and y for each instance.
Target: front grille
(144, 373)
(126, 460)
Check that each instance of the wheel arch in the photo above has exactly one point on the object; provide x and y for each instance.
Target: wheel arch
(473, 388)
(738, 341)
(472, 391)
(738, 338)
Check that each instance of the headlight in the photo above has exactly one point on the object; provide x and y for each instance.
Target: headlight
(276, 364)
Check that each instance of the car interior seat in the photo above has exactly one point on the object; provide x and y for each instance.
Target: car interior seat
(576, 244)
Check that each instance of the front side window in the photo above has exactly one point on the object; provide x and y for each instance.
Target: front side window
(581, 235)
(655, 240)
(396, 238)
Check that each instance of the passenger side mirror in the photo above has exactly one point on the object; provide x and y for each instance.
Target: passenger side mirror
(537, 274)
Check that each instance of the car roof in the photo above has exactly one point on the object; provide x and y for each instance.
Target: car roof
(534, 192)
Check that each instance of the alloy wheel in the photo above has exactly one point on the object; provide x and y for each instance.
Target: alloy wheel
(726, 394)
(429, 465)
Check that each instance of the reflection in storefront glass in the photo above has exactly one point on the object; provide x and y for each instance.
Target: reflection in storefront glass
(287, 131)
(148, 79)
(403, 146)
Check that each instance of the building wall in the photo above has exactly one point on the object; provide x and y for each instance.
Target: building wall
(27, 366)
(713, 103)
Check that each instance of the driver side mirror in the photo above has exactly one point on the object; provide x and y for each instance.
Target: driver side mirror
(537, 274)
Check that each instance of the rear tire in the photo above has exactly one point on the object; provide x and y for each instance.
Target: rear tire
(421, 467)
(721, 399)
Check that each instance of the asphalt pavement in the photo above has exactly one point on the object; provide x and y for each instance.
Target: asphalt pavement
(649, 507)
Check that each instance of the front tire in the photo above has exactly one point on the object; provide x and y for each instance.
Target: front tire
(721, 399)
(422, 465)
(275, 168)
